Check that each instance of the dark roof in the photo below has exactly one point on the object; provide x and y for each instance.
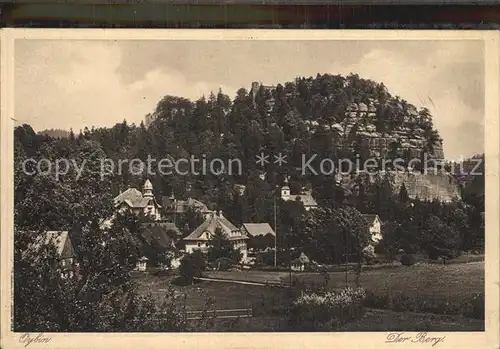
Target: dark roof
(307, 199)
(133, 198)
(227, 223)
(370, 218)
(61, 241)
(207, 225)
(211, 224)
(256, 229)
(168, 227)
(157, 234)
(182, 206)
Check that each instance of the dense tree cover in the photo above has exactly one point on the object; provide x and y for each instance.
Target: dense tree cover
(424, 226)
(334, 235)
(55, 133)
(101, 295)
(433, 228)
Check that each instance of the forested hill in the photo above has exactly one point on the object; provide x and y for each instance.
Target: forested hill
(333, 116)
(336, 115)
(55, 133)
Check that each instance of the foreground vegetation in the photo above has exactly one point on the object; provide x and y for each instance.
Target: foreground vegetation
(423, 298)
(442, 289)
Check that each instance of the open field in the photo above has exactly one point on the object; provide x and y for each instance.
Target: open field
(451, 284)
(457, 280)
(450, 281)
(268, 314)
(219, 295)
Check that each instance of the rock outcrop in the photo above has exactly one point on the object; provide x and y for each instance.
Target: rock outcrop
(359, 126)
(424, 186)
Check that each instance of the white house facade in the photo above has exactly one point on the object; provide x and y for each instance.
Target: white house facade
(374, 226)
(199, 239)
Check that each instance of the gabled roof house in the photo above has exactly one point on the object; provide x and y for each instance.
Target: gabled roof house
(200, 237)
(374, 226)
(138, 202)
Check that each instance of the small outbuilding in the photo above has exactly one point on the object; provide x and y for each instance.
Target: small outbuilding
(300, 263)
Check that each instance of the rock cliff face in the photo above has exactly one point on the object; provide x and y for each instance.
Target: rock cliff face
(360, 127)
(424, 186)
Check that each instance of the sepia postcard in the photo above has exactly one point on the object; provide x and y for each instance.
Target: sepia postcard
(249, 189)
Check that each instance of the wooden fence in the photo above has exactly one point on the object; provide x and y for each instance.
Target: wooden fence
(219, 314)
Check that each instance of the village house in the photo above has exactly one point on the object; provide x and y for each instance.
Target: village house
(64, 248)
(174, 207)
(257, 229)
(158, 242)
(305, 197)
(200, 237)
(137, 202)
(142, 264)
(374, 226)
(260, 235)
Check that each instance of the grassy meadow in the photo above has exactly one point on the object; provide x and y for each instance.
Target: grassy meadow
(426, 297)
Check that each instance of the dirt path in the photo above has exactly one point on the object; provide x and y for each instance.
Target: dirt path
(243, 282)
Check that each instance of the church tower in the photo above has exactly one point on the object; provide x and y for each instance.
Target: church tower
(148, 189)
(285, 190)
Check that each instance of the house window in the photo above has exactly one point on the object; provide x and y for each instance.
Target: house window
(199, 244)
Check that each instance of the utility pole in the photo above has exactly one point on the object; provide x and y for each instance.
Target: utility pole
(346, 256)
(275, 233)
(290, 257)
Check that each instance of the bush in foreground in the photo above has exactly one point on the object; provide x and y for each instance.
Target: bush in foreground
(407, 259)
(192, 266)
(328, 311)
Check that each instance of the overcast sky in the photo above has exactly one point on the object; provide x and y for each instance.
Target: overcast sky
(73, 84)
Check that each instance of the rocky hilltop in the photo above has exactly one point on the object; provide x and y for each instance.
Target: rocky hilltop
(360, 127)
(370, 120)
(363, 117)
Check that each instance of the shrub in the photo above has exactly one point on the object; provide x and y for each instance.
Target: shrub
(375, 300)
(313, 311)
(369, 255)
(192, 265)
(222, 264)
(407, 259)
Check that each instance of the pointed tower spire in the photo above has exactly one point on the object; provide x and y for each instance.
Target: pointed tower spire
(148, 189)
(285, 190)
